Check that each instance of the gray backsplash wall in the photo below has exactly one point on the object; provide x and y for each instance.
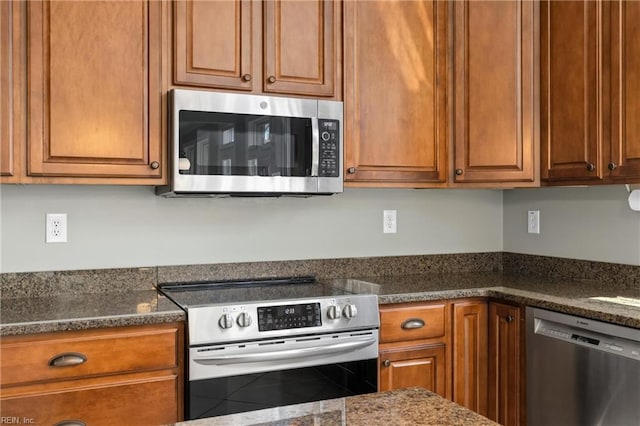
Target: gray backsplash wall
(121, 227)
(589, 223)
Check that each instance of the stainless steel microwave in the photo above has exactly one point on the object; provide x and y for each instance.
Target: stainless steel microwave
(238, 144)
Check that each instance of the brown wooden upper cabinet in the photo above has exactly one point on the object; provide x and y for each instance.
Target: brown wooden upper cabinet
(276, 46)
(395, 93)
(624, 162)
(7, 165)
(590, 62)
(94, 90)
(495, 137)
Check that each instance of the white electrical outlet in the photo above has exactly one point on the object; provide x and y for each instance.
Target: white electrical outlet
(389, 224)
(533, 221)
(56, 229)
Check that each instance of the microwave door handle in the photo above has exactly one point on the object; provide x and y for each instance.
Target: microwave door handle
(315, 146)
(287, 354)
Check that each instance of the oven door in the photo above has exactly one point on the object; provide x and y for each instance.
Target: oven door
(247, 376)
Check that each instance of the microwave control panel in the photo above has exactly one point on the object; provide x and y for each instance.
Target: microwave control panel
(329, 148)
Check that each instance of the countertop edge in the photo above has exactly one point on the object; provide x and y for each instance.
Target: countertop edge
(576, 307)
(91, 323)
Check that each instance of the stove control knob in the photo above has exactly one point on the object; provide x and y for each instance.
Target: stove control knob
(244, 319)
(333, 312)
(349, 311)
(226, 321)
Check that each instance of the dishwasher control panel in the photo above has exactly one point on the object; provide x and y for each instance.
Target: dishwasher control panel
(593, 334)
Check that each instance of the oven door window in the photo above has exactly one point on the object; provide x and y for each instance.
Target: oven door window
(236, 394)
(219, 144)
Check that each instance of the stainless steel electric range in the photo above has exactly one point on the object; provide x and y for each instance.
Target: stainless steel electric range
(256, 344)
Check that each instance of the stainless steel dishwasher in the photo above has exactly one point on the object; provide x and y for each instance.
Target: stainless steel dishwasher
(581, 371)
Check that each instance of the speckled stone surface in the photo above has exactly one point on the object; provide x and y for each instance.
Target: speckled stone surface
(43, 284)
(26, 315)
(74, 300)
(563, 295)
(555, 267)
(335, 268)
(404, 407)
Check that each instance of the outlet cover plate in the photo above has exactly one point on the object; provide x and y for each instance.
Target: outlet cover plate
(389, 222)
(56, 228)
(533, 221)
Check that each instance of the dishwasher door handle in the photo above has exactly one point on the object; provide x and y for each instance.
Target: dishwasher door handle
(288, 353)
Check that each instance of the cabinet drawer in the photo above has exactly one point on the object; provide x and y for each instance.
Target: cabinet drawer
(400, 323)
(27, 359)
(140, 399)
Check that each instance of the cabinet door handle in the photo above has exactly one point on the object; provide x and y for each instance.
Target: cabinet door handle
(271, 79)
(591, 167)
(509, 318)
(246, 77)
(154, 165)
(386, 363)
(412, 323)
(612, 166)
(459, 172)
(71, 423)
(351, 170)
(67, 359)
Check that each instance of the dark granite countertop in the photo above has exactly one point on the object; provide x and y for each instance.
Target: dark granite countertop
(71, 310)
(63, 312)
(412, 406)
(575, 297)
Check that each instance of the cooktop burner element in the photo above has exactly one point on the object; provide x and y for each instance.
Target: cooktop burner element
(245, 310)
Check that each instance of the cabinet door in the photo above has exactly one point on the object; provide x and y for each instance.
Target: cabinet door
(571, 120)
(625, 87)
(136, 399)
(395, 93)
(301, 46)
(217, 43)
(495, 137)
(470, 355)
(7, 159)
(423, 366)
(94, 79)
(505, 364)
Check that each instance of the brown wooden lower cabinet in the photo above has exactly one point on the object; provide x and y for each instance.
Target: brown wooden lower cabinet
(423, 366)
(468, 350)
(470, 355)
(506, 364)
(111, 376)
(142, 399)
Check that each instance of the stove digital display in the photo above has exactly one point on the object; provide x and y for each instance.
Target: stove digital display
(285, 317)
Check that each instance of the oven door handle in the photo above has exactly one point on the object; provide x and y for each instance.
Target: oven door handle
(288, 354)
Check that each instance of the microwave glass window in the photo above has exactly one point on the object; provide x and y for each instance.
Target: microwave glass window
(244, 145)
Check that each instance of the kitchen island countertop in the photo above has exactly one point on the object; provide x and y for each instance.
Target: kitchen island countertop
(411, 406)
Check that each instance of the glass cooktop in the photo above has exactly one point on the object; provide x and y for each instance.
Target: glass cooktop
(189, 295)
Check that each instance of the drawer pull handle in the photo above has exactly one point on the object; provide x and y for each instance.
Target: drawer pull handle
(71, 423)
(412, 323)
(67, 359)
